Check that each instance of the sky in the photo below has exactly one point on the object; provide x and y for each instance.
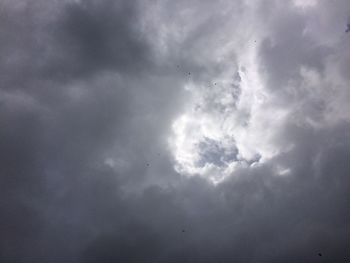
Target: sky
(174, 131)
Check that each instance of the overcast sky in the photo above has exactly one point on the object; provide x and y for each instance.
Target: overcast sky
(174, 131)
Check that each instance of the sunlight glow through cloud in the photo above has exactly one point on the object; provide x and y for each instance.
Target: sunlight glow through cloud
(228, 124)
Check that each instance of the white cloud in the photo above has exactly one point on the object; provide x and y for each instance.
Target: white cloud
(244, 108)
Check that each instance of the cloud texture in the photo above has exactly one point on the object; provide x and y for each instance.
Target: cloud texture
(174, 131)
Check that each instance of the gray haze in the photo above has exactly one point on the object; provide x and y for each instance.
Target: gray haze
(174, 131)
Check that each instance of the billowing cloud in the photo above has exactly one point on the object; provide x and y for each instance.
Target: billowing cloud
(174, 131)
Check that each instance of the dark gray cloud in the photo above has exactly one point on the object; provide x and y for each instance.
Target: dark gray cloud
(91, 94)
(95, 37)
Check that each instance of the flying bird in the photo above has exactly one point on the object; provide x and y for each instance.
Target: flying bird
(348, 29)
(319, 254)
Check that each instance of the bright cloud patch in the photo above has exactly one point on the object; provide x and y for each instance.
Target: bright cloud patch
(228, 124)
(257, 81)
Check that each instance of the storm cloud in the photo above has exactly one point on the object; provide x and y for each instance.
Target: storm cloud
(174, 131)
